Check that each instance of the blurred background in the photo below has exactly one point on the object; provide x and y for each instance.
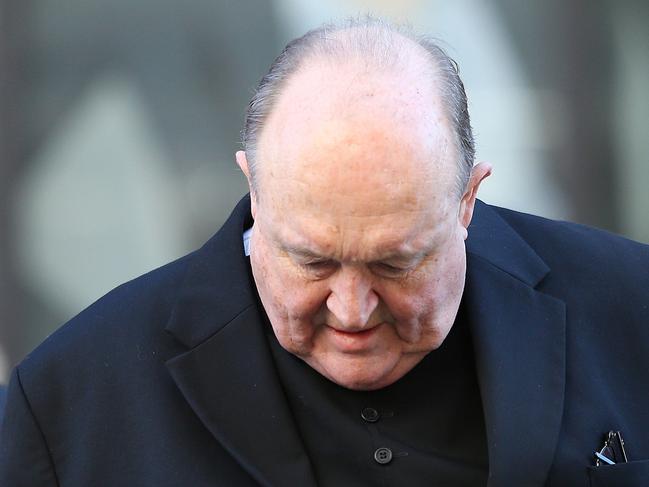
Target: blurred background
(119, 120)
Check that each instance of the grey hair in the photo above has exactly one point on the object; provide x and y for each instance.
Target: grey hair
(378, 43)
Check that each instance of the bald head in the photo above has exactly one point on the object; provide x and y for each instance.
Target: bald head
(362, 69)
(363, 129)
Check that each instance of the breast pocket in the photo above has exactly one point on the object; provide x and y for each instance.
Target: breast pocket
(631, 474)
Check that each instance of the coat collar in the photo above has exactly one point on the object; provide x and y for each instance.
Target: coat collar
(228, 376)
(216, 287)
(519, 342)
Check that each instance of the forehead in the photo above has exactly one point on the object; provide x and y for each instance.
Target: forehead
(360, 169)
(358, 192)
(364, 163)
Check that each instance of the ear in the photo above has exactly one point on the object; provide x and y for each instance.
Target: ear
(242, 162)
(479, 173)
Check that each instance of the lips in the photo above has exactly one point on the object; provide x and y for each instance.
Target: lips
(352, 341)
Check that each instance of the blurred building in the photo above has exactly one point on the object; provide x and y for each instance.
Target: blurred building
(120, 120)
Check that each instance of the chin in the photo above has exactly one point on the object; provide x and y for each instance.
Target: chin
(359, 375)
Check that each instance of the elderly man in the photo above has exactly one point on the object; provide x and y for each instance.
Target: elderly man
(362, 342)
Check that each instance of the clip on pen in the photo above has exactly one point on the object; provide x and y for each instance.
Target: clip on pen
(613, 450)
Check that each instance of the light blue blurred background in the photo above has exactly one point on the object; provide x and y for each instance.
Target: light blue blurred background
(119, 120)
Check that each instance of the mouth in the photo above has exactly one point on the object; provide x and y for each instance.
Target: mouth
(352, 341)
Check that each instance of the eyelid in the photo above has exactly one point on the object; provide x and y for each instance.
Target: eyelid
(391, 270)
(405, 263)
(317, 269)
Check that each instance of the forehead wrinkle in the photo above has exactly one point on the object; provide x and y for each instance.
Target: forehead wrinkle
(355, 194)
(341, 207)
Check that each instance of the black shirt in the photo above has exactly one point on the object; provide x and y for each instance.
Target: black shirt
(425, 429)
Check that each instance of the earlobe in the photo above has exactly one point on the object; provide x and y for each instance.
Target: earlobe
(479, 173)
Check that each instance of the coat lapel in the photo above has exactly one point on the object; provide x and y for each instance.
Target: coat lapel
(228, 376)
(519, 342)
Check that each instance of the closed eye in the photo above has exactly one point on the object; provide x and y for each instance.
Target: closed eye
(319, 268)
(390, 270)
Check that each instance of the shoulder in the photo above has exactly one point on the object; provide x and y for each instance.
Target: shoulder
(125, 327)
(100, 383)
(574, 246)
(599, 275)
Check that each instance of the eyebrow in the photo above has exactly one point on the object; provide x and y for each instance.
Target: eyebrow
(408, 256)
(396, 255)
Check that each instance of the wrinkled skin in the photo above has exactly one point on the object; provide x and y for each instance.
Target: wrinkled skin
(357, 248)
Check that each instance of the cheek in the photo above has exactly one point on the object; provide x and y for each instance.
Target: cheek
(284, 293)
(304, 303)
(431, 296)
(412, 303)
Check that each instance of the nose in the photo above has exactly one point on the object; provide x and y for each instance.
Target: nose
(352, 299)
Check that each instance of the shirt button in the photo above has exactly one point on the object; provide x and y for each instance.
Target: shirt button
(383, 455)
(370, 415)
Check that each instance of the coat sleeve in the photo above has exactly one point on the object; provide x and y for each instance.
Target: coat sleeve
(25, 460)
